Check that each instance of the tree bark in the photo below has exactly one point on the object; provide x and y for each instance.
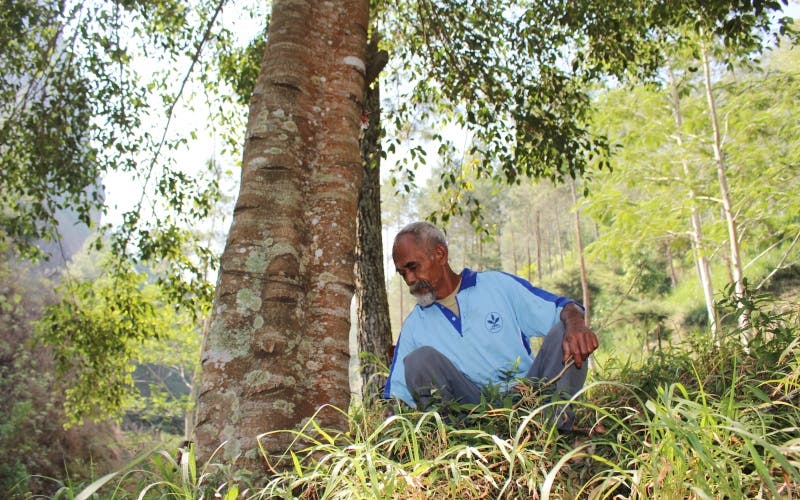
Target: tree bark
(277, 348)
(372, 303)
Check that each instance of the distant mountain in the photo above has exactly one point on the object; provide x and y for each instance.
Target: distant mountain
(74, 234)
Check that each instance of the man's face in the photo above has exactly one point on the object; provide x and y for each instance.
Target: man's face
(422, 270)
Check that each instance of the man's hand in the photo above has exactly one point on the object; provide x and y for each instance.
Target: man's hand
(579, 341)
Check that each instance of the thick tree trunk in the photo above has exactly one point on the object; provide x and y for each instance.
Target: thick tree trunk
(277, 347)
(725, 196)
(372, 304)
(703, 267)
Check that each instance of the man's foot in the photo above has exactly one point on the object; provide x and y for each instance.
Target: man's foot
(566, 419)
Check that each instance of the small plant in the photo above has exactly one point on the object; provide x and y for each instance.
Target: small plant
(161, 474)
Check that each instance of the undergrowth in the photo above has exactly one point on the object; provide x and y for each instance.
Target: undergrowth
(706, 419)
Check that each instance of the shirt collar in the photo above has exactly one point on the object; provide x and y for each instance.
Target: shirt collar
(468, 278)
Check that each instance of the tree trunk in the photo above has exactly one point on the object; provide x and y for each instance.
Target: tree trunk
(539, 265)
(464, 253)
(673, 277)
(528, 244)
(499, 248)
(514, 262)
(558, 236)
(548, 255)
(703, 267)
(372, 304)
(277, 349)
(480, 252)
(401, 294)
(725, 195)
(581, 260)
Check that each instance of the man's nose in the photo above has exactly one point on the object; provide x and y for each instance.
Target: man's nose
(410, 278)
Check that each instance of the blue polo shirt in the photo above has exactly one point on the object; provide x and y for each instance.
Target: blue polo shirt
(498, 313)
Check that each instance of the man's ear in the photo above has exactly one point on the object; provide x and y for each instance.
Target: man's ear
(440, 252)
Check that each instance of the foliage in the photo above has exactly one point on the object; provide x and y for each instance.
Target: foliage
(76, 105)
(46, 156)
(97, 332)
(498, 74)
(514, 80)
(644, 206)
(72, 106)
(34, 446)
(161, 474)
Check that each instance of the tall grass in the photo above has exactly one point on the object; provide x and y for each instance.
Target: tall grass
(704, 420)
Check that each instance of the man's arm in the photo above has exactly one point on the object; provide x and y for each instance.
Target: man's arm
(579, 340)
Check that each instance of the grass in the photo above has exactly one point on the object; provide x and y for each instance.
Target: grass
(697, 421)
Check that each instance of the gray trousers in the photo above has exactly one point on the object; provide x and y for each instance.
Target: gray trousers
(429, 372)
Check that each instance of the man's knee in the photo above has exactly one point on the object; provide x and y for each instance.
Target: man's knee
(428, 371)
(421, 358)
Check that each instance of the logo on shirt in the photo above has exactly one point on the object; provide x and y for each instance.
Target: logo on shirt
(493, 322)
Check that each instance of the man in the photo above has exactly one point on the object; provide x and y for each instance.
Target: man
(471, 330)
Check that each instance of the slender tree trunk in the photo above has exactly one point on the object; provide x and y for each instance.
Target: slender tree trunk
(277, 350)
(499, 249)
(528, 246)
(539, 247)
(480, 252)
(581, 260)
(547, 251)
(514, 262)
(372, 304)
(558, 238)
(673, 277)
(725, 195)
(190, 419)
(703, 267)
(402, 304)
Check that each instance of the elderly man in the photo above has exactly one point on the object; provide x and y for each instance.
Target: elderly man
(470, 330)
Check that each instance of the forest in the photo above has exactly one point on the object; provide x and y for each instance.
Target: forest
(197, 296)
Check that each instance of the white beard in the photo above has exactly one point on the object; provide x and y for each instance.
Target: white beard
(424, 293)
(425, 299)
